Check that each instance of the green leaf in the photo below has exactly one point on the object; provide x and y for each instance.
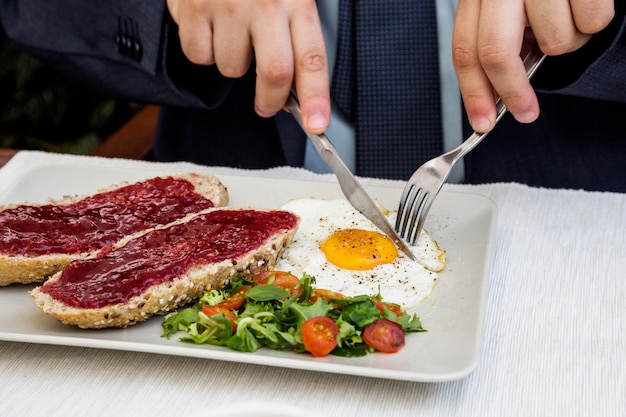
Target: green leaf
(175, 322)
(307, 287)
(213, 297)
(251, 309)
(303, 312)
(344, 302)
(361, 313)
(350, 352)
(214, 330)
(239, 281)
(244, 340)
(348, 334)
(282, 336)
(261, 332)
(408, 323)
(265, 292)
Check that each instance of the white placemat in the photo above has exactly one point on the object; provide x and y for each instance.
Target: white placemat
(554, 343)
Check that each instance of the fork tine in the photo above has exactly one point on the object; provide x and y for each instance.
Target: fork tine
(405, 209)
(417, 215)
(412, 203)
(402, 208)
(420, 216)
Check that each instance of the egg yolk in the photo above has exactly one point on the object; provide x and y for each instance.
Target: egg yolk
(358, 249)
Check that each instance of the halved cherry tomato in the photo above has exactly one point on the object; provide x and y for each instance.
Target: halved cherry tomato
(235, 300)
(282, 279)
(327, 294)
(384, 335)
(210, 311)
(393, 307)
(319, 335)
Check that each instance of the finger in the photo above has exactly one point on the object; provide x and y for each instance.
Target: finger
(195, 33)
(475, 87)
(232, 49)
(273, 50)
(591, 16)
(499, 45)
(553, 26)
(312, 80)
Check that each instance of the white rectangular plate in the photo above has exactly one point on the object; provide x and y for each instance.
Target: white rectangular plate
(462, 223)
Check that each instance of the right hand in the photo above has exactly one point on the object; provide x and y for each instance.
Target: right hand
(284, 37)
(488, 36)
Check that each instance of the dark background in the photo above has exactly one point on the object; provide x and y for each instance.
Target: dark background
(42, 110)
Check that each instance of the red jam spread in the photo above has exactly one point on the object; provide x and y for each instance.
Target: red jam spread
(98, 220)
(162, 255)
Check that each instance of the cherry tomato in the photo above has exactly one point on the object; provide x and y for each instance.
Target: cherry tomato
(393, 307)
(284, 280)
(319, 335)
(216, 310)
(235, 300)
(327, 294)
(384, 335)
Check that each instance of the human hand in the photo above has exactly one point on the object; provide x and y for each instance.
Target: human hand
(284, 37)
(489, 36)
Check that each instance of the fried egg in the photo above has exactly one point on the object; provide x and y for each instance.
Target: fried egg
(347, 253)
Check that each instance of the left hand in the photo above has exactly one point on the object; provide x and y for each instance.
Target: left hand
(284, 37)
(489, 36)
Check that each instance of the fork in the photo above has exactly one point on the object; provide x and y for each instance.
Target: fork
(426, 182)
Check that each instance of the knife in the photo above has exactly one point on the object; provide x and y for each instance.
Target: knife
(352, 189)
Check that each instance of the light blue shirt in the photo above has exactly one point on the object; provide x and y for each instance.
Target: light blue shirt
(341, 132)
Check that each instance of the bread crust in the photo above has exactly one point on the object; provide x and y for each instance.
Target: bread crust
(162, 298)
(23, 269)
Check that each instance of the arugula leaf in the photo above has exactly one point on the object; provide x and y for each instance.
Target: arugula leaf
(360, 313)
(344, 302)
(307, 287)
(303, 312)
(407, 322)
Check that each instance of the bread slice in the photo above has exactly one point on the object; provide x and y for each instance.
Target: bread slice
(25, 266)
(216, 245)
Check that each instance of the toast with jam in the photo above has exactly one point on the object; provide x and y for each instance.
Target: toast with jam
(38, 240)
(155, 271)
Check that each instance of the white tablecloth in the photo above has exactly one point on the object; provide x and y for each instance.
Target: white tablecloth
(554, 342)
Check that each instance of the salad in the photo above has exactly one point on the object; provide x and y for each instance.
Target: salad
(278, 310)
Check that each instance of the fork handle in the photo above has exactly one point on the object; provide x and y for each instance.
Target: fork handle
(532, 61)
(476, 137)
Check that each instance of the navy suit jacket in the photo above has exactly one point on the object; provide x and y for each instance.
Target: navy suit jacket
(130, 49)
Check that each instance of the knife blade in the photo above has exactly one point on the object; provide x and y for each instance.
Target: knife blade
(352, 189)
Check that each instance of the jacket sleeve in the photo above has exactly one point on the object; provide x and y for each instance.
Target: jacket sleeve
(129, 49)
(596, 71)
(126, 48)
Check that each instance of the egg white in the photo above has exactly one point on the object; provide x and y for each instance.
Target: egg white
(403, 281)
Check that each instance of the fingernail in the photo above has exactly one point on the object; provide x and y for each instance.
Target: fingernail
(527, 117)
(481, 124)
(317, 122)
(263, 113)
